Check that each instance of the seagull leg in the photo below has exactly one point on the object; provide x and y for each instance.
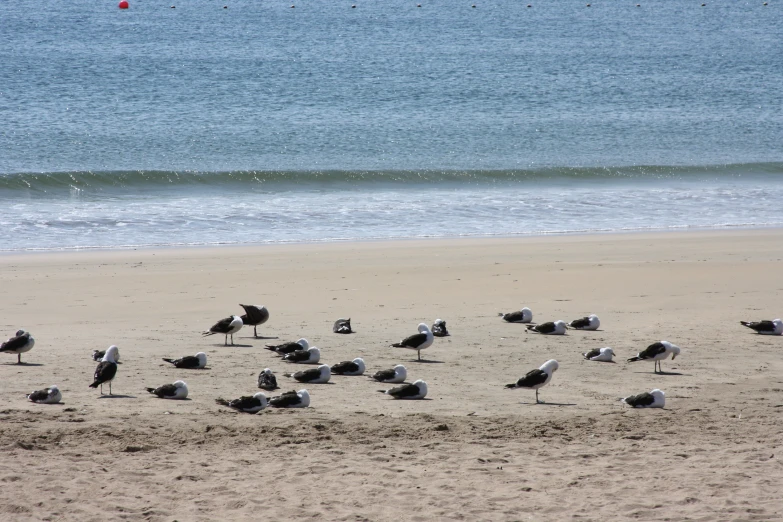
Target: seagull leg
(537, 401)
(109, 387)
(18, 358)
(225, 343)
(232, 339)
(419, 352)
(255, 331)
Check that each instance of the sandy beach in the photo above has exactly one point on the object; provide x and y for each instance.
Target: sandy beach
(471, 451)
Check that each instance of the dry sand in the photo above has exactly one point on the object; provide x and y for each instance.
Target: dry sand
(472, 451)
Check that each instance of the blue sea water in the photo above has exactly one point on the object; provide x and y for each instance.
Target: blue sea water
(262, 123)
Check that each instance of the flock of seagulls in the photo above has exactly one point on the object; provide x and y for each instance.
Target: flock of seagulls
(301, 352)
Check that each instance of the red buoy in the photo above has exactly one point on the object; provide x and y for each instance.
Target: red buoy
(124, 4)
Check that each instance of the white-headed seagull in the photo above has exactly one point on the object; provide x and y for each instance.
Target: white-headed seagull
(285, 348)
(191, 362)
(20, 343)
(355, 367)
(246, 403)
(657, 352)
(521, 316)
(774, 327)
(439, 328)
(415, 390)
(655, 399)
(599, 354)
(177, 391)
(291, 399)
(310, 356)
(394, 375)
(97, 355)
(549, 328)
(535, 379)
(50, 395)
(319, 375)
(418, 341)
(106, 370)
(228, 326)
(591, 322)
(267, 380)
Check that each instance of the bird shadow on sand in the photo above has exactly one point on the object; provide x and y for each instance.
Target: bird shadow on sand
(118, 397)
(427, 361)
(260, 337)
(233, 345)
(22, 364)
(542, 403)
(668, 373)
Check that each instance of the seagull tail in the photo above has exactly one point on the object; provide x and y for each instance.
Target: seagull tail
(745, 323)
(95, 384)
(501, 314)
(169, 360)
(270, 347)
(221, 401)
(397, 345)
(530, 326)
(151, 390)
(381, 391)
(207, 333)
(511, 386)
(632, 359)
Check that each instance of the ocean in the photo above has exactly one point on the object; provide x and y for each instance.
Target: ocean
(262, 123)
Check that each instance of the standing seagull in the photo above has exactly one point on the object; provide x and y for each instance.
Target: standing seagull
(591, 322)
(318, 375)
(394, 375)
(255, 315)
(227, 326)
(439, 328)
(535, 379)
(20, 343)
(522, 316)
(246, 403)
(418, 341)
(774, 327)
(50, 395)
(599, 354)
(310, 356)
(267, 380)
(285, 348)
(550, 328)
(176, 391)
(657, 352)
(416, 390)
(194, 362)
(654, 399)
(355, 367)
(342, 326)
(106, 369)
(291, 399)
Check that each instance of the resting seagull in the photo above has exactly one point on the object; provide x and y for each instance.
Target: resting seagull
(774, 327)
(246, 403)
(291, 399)
(310, 356)
(176, 391)
(355, 367)
(535, 379)
(654, 399)
(227, 326)
(416, 390)
(267, 380)
(193, 362)
(107, 369)
(285, 348)
(342, 326)
(20, 343)
(591, 322)
(318, 375)
(255, 315)
(522, 316)
(97, 355)
(439, 328)
(394, 375)
(550, 328)
(657, 352)
(50, 395)
(599, 354)
(417, 342)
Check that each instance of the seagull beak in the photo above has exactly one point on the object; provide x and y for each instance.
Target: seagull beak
(673, 356)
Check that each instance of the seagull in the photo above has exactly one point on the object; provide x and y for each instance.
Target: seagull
(97, 355)
(654, 399)
(50, 395)
(394, 375)
(246, 403)
(418, 341)
(774, 327)
(194, 362)
(107, 369)
(342, 326)
(550, 328)
(227, 326)
(599, 354)
(657, 352)
(535, 379)
(20, 343)
(590, 322)
(310, 356)
(291, 399)
(439, 328)
(267, 380)
(255, 315)
(318, 375)
(177, 391)
(522, 316)
(355, 367)
(285, 348)
(416, 390)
